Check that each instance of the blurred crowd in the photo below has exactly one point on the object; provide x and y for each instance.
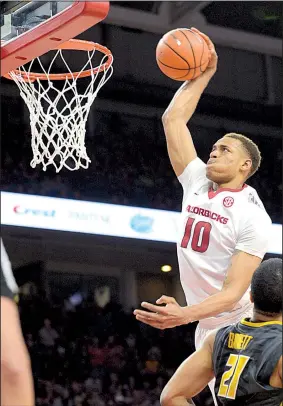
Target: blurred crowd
(130, 164)
(85, 355)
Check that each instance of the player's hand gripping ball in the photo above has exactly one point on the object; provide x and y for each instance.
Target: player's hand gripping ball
(182, 54)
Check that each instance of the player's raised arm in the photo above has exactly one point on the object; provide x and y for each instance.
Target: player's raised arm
(179, 141)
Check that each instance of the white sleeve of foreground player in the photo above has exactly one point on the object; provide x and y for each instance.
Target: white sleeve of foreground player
(255, 233)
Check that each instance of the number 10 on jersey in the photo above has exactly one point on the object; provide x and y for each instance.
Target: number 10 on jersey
(200, 233)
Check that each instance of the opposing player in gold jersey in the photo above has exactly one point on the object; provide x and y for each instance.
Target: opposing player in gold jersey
(245, 358)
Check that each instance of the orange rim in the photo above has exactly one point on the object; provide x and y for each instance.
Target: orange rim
(75, 45)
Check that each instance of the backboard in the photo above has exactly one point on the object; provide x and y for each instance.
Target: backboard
(32, 28)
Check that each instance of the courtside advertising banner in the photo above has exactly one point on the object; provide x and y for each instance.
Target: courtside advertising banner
(99, 218)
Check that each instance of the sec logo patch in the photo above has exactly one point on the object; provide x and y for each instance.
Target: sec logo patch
(228, 201)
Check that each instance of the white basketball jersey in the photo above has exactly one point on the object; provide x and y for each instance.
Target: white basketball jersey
(213, 225)
(6, 269)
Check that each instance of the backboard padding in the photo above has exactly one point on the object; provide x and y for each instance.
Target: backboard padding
(36, 33)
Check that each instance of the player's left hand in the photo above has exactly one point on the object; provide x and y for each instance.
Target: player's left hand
(162, 317)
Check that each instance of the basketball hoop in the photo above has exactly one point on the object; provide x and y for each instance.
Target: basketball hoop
(58, 116)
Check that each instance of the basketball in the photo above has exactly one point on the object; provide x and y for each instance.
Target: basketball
(182, 54)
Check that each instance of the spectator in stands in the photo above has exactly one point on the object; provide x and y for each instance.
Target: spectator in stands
(47, 334)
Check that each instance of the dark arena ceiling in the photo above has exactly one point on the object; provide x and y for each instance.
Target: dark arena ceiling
(259, 17)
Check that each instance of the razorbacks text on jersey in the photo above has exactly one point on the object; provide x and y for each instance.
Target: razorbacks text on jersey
(245, 356)
(213, 225)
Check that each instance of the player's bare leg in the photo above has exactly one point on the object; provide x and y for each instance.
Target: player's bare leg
(16, 376)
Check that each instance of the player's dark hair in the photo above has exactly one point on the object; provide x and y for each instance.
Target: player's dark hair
(266, 287)
(251, 148)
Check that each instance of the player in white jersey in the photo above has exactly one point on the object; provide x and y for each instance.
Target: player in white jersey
(224, 229)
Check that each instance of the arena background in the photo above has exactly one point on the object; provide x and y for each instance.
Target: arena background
(87, 283)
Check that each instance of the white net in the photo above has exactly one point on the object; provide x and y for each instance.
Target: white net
(58, 116)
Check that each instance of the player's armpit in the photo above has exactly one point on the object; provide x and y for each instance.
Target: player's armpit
(239, 275)
(191, 377)
(276, 379)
